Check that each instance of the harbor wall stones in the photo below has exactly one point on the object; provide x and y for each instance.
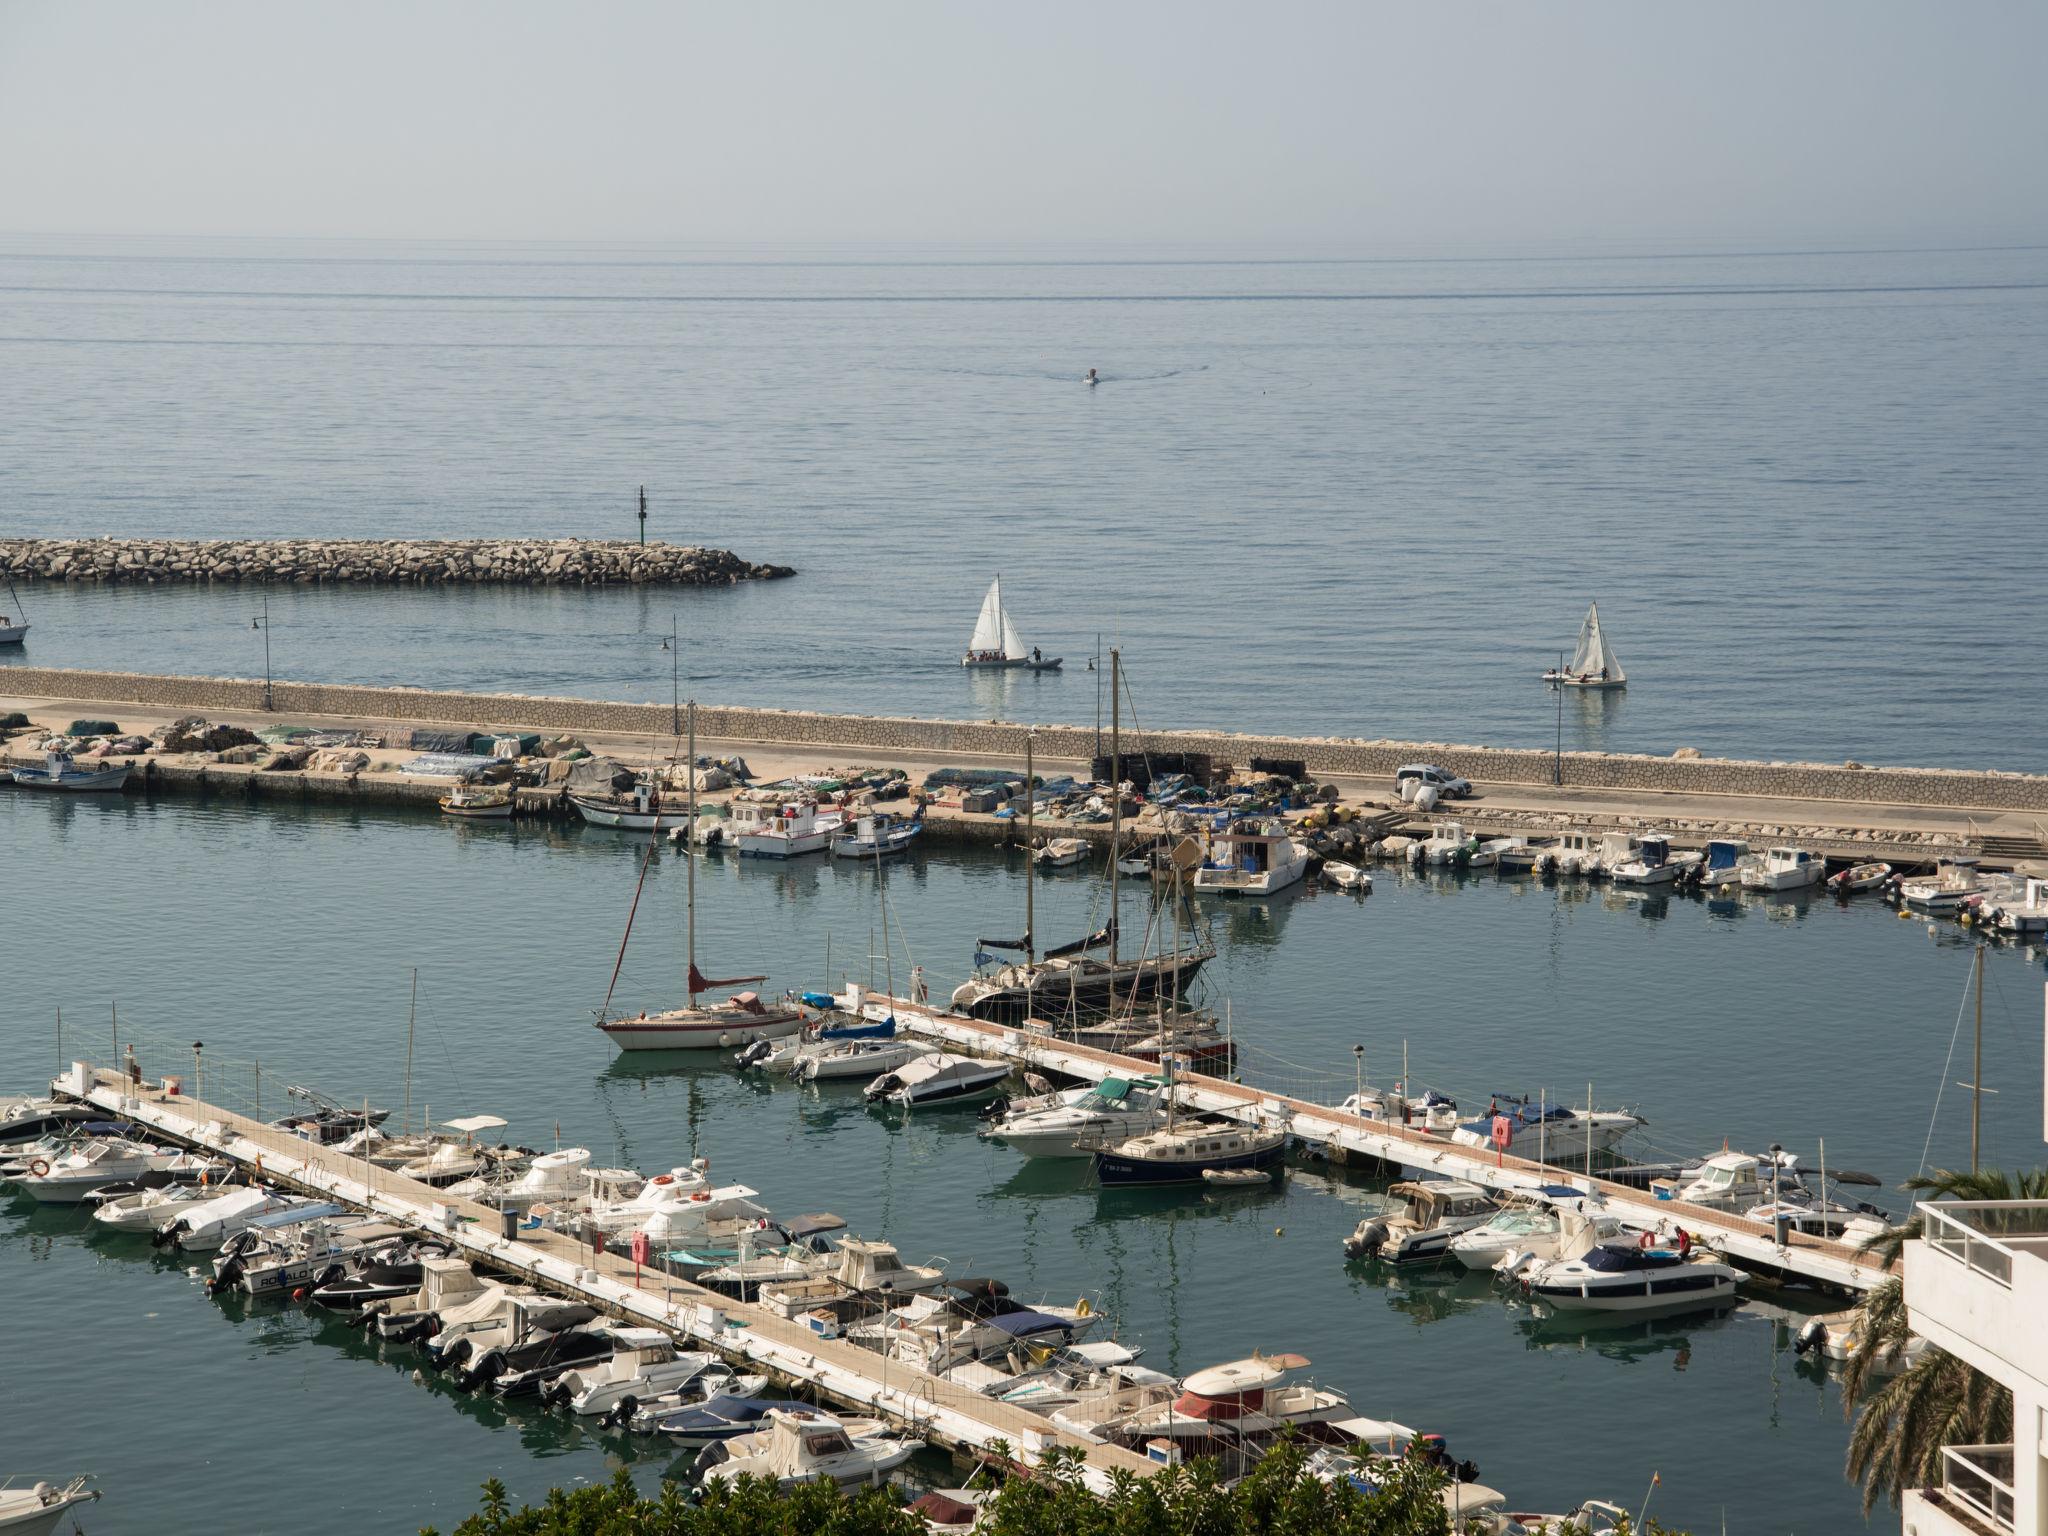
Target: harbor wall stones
(881, 737)
(416, 562)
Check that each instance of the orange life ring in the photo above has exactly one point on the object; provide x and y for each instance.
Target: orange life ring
(664, 1178)
(700, 1195)
(38, 1167)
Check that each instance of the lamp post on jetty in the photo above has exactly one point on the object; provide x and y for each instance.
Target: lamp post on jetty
(643, 514)
(674, 646)
(262, 621)
(1557, 763)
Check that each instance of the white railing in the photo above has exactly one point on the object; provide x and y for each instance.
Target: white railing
(1987, 1235)
(1979, 1477)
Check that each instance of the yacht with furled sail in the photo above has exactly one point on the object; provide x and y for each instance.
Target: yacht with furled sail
(738, 1020)
(996, 642)
(1593, 664)
(1071, 982)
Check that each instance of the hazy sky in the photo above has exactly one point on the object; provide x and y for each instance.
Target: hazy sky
(1385, 125)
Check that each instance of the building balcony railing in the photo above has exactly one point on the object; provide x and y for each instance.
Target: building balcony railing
(1987, 1235)
(1978, 1478)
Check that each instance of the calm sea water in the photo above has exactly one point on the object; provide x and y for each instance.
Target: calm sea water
(1351, 496)
(289, 938)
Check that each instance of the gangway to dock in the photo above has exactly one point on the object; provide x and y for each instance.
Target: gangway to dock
(1349, 1137)
(943, 1412)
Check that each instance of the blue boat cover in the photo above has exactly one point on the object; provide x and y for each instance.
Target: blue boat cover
(1018, 1324)
(886, 1030)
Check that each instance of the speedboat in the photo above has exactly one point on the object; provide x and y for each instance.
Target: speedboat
(59, 770)
(937, 1078)
(525, 1370)
(208, 1226)
(553, 1178)
(963, 1320)
(26, 1120)
(864, 1058)
(1554, 1132)
(40, 1508)
(1527, 1223)
(1953, 882)
(303, 1254)
(877, 836)
(723, 1418)
(1654, 863)
(621, 1201)
(1786, 869)
(1253, 859)
(384, 1274)
(808, 1446)
(643, 1364)
(644, 1415)
(1069, 1122)
(1631, 1277)
(68, 1178)
(1836, 1336)
(1727, 858)
(147, 1209)
(452, 1162)
(1732, 1181)
(1187, 1152)
(1432, 1212)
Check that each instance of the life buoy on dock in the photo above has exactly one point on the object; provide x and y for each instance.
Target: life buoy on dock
(39, 1167)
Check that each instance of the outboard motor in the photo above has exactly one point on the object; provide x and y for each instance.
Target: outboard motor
(485, 1371)
(754, 1055)
(882, 1087)
(713, 1455)
(995, 1109)
(1810, 1339)
(1366, 1241)
(621, 1413)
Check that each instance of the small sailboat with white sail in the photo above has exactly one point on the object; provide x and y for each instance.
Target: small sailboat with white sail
(996, 642)
(12, 633)
(1593, 664)
(739, 1020)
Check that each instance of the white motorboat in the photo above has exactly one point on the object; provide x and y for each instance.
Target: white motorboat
(643, 1364)
(1527, 1223)
(1593, 664)
(59, 770)
(1071, 1122)
(147, 1209)
(1732, 1181)
(553, 1178)
(208, 1226)
(89, 1165)
(1233, 1411)
(1253, 859)
(1860, 877)
(2023, 911)
(1625, 1276)
(877, 836)
(1059, 852)
(679, 1188)
(1575, 852)
(1547, 1132)
(40, 1508)
(1419, 1231)
(643, 808)
(1727, 859)
(1837, 1335)
(12, 633)
(784, 831)
(856, 1272)
(939, 1078)
(1653, 863)
(454, 1161)
(1786, 868)
(301, 1254)
(1448, 845)
(996, 643)
(1954, 881)
(809, 1446)
(865, 1059)
(1346, 877)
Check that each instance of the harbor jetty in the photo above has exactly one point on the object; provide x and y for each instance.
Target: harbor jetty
(399, 562)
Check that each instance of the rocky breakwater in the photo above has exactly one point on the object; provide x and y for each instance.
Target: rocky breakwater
(410, 562)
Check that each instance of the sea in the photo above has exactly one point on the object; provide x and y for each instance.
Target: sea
(1316, 492)
(1358, 496)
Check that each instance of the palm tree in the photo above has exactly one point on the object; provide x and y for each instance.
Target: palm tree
(1939, 1400)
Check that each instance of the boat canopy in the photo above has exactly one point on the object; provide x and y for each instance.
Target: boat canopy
(471, 1124)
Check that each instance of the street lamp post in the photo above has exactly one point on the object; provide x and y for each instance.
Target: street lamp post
(674, 646)
(643, 514)
(1557, 763)
(262, 621)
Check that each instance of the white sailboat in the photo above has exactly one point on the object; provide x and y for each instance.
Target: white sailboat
(12, 633)
(1593, 664)
(996, 642)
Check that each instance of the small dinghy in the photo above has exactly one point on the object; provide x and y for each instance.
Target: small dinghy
(1239, 1178)
(477, 802)
(1346, 877)
(1863, 877)
(1059, 852)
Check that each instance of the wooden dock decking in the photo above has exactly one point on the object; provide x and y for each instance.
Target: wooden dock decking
(949, 1415)
(1750, 1244)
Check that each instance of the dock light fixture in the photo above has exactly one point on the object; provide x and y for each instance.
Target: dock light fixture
(1358, 1066)
(643, 514)
(262, 621)
(1557, 763)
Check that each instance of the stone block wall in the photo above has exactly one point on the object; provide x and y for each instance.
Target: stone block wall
(882, 737)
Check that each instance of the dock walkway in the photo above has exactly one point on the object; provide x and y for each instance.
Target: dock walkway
(952, 1416)
(1750, 1244)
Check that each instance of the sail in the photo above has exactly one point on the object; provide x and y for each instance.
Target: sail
(1013, 643)
(988, 629)
(1593, 655)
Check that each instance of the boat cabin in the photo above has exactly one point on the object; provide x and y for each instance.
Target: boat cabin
(1427, 1203)
(1725, 853)
(1654, 850)
(1782, 860)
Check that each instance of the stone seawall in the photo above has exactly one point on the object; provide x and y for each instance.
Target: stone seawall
(878, 737)
(416, 562)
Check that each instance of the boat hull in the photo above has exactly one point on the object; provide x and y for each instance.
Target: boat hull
(1115, 1170)
(1006, 664)
(499, 810)
(755, 845)
(699, 1031)
(1650, 1292)
(13, 634)
(96, 781)
(600, 815)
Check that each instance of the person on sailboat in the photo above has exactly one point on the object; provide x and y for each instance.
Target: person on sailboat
(1035, 658)
(1091, 379)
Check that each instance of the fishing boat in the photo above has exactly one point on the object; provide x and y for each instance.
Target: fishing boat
(1653, 864)
(739, 1020)
(784, 831)
(809, 1446)
(1255, 859)
(639, 809)
(2023, 912)
(877, 835)
(477, 802)
(59, 770)
(1726, 860)
(1593, 664)
(1861, 877)
(1432, 1212)
(1954, 881)
(1786, 869)
(996, 642)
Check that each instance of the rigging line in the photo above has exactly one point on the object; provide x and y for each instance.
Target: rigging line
(653, 842)
(447, 1055)
(1947, 1061)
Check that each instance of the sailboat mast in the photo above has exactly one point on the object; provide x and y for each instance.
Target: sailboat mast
(1030, 852)
(1116, 793)
(411, 1011)
(690, 859)
(1977, 1067)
